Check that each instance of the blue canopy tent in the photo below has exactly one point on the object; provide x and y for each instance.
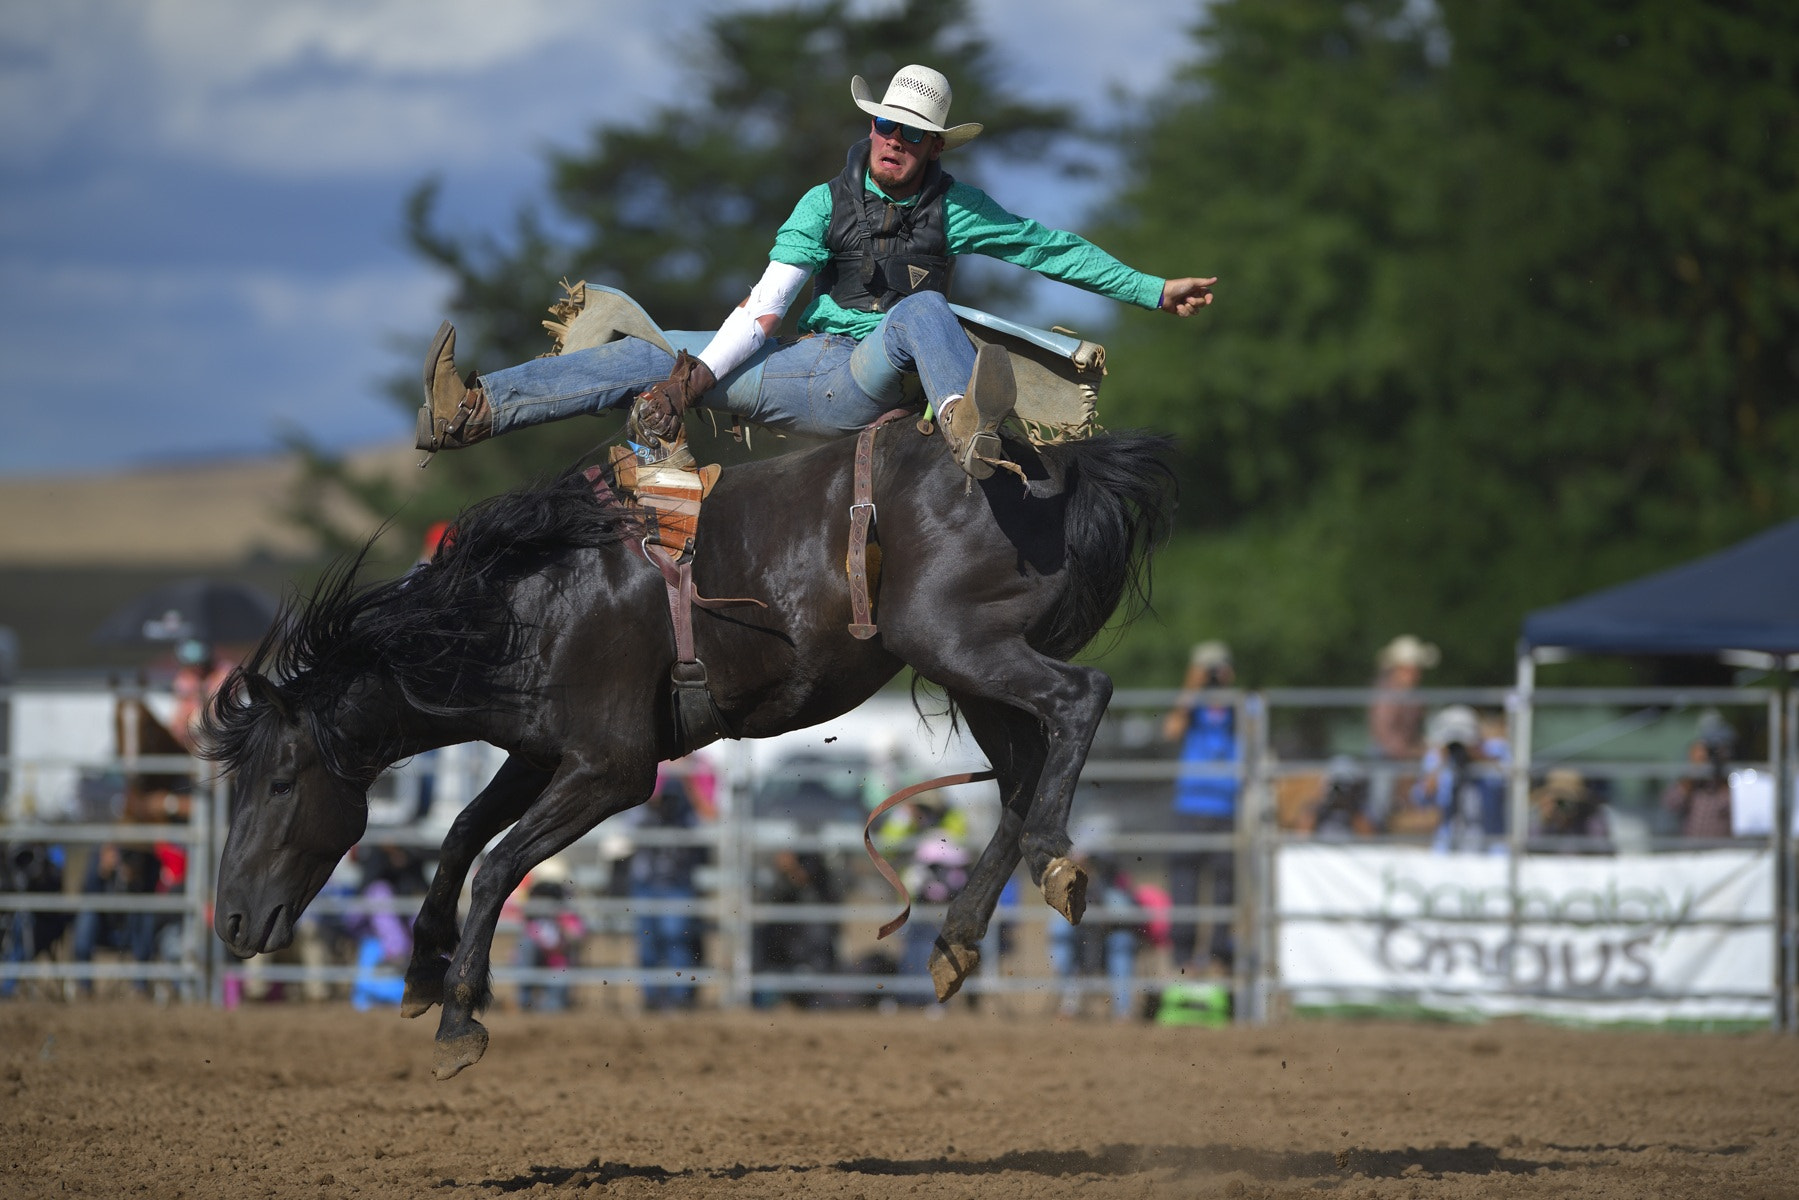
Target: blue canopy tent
(1740, 605)
(1742, 599)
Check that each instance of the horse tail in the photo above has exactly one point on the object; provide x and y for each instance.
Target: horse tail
(1120, 509)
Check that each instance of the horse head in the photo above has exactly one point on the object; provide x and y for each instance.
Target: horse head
(294, 816)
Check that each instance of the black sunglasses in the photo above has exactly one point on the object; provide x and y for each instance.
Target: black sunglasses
(908, 133)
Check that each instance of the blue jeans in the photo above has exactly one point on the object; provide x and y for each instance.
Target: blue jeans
(915, 959)
(1184, 871)
(666, 941)
(822, 385)
(1121, 965)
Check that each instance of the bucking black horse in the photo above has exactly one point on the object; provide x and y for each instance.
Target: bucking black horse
(542, 629)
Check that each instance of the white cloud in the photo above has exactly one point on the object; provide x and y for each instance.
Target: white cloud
(62, 64)
(309, 87)
(1075, 52)
(359, 304)
(325, 86)
(108, 367)
(394, 87)
(227, 40)
(363, 306)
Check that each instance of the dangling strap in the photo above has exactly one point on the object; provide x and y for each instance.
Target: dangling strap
(862, 515)
(678, 575)
(881, 864)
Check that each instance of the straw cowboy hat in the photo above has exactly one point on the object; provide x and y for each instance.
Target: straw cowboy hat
(1564, 784)
(1408, 651)
(1210, 654)
(916, 96)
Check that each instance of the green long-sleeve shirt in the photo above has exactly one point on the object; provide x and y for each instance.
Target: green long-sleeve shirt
(975, 224)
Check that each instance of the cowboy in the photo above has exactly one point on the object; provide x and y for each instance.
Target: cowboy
(879, 243)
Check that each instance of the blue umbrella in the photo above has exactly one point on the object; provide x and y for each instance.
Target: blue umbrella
(205, 610)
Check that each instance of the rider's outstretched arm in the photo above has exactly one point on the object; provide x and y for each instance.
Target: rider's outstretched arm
(751, 323)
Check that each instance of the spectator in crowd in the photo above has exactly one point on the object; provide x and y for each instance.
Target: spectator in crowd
(31, 867)
(1566, 806)
(549, 939)
(1458, 780)
(383, 936)
(200, 672)
(923, 813)
(1395, 720)
(155, 798)
(114, 870)
(799, 947)
(667, 942)
(936, 873)
(1342, 809)
(1701, 801)
(1106, 939)
(1205, 726)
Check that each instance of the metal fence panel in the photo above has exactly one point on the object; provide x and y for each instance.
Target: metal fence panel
(1282, 747)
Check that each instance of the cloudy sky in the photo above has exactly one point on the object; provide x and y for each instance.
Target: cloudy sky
(200, 199)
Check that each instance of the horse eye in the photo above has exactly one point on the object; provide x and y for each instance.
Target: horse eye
(281, 787)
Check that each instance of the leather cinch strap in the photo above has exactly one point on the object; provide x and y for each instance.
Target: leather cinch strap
(862, 515)
(697, 715)
(881, 865)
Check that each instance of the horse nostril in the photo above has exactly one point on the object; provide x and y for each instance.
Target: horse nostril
(234, 925)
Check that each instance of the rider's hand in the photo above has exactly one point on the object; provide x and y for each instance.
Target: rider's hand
(1184, 297)
(661, 405)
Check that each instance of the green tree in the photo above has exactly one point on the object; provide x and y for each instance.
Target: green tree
(1509, 302)
(681, 209)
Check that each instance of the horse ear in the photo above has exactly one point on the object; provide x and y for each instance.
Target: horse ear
(262, 690)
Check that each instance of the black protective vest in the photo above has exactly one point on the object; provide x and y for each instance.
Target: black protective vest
(881, 252)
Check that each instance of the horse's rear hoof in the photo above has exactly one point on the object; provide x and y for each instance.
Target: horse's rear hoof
(1065, 889)
(419, 997)
(950, 965)
(459, 1052)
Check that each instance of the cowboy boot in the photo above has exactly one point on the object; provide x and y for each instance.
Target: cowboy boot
(455, 414)
(971, 426)
(655, 420)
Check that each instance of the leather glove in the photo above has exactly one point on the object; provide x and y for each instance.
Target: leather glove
(661, 406)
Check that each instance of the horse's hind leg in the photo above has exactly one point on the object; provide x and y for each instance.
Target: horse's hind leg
(434, 933)
(1067, 700)
(1016, 748)
(578, 797)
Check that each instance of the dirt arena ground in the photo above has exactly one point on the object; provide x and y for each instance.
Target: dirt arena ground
(116, 1099)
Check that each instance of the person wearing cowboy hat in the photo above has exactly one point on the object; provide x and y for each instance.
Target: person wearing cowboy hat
(879, 243)
(1396, 722)
(1565, 807)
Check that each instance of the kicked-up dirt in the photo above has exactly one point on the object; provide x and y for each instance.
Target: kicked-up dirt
(122, 1099)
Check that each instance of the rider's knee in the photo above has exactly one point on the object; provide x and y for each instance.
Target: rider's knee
(921, 302)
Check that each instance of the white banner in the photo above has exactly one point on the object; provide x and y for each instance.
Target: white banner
(1654, 938)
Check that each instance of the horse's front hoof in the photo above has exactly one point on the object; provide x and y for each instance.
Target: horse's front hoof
(464, 1050)
(1065, 889)
(950, 965)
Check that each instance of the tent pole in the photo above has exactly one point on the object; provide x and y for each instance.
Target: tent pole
(1521, 709)
(1786, 887)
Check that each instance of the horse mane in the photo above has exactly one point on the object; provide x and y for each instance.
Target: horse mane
(1121, 500)
(442, 635)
